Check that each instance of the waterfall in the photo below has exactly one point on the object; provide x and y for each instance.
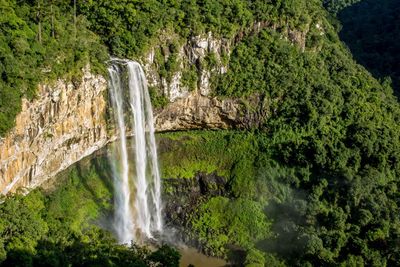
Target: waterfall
(136, 174)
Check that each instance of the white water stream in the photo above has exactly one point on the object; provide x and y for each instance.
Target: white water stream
(136, 174)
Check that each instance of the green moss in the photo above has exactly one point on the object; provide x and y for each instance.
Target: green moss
(205, 151)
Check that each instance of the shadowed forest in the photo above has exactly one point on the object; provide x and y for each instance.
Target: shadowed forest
(371, 29)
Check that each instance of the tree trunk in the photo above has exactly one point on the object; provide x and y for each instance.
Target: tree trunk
(75, 19)
(52, 20)
(39, 22)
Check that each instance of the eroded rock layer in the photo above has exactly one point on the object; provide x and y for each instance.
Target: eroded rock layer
(68, 121)
(65, 123)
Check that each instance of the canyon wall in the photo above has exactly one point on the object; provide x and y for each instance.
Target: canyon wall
(65, 123)
(68, 121)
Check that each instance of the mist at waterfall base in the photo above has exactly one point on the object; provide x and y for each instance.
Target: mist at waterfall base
(136, 176)
(137, 183)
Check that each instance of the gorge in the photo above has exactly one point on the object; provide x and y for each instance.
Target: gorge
(244, 130)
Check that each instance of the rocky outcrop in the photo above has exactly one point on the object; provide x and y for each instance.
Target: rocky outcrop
(65, 123)
(197, 112)
(191, 55)
(203, 112)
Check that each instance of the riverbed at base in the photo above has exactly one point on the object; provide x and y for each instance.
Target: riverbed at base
(197, 259)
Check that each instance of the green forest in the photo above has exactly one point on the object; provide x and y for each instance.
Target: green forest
(60, 227)
(313, 184)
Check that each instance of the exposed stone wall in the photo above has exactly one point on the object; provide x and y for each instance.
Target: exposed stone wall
(61, 126)
(192, 52)
(197, 112)
(203, 112)
(67, 122)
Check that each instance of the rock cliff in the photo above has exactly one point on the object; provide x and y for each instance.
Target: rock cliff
(62, 125)
(189, 58)
(203, 112)
(68, 121)
(196, 112)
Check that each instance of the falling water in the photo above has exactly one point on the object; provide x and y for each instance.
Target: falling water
(137, 186)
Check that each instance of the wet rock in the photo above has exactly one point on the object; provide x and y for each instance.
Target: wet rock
(182, 197)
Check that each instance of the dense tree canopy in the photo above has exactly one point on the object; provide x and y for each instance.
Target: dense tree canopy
(39, 41)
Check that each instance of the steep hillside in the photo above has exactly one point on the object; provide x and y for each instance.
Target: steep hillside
(371, 30)
(336, 6)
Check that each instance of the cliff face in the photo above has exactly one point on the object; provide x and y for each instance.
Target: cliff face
(64, 124)
(201, 58)
(203, 112)
(196, 112)
(189, 57)
(67, 121)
